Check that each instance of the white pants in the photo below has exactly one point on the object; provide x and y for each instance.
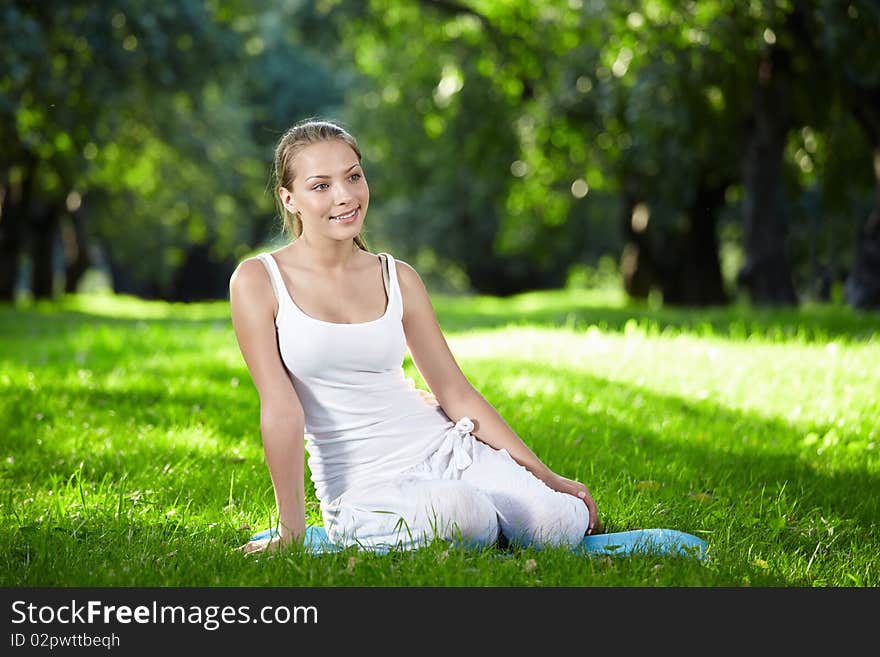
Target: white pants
(466, 492)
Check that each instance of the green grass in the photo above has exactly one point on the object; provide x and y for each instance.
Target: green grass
(130, 453)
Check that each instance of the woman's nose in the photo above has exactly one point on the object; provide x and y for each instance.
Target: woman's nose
(341, 194)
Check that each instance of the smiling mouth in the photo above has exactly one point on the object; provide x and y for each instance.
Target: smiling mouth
(348, 217)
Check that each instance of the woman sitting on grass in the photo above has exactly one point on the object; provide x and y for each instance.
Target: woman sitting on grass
(323, 326)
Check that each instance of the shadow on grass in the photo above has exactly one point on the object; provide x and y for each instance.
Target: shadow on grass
(736, 465)
(226, 411)
(810, 323)
(728, 484)
(32, 323)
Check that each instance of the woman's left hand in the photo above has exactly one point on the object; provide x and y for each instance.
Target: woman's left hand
(576, 488)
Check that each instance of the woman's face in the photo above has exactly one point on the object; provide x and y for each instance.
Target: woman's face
(330, 191)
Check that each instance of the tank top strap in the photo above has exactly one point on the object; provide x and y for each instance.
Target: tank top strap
(383, 257)
(392, 284)
(275, 278)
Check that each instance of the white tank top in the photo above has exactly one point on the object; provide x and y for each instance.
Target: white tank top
(364, 420)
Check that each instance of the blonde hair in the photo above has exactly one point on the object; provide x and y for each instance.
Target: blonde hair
(303, 134)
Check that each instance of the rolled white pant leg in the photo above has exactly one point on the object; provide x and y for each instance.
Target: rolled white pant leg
(409, 513)
(529, 511)
(466, 491)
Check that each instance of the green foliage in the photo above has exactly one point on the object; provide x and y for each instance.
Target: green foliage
(505, 134)
(160, 120)
(503, 140)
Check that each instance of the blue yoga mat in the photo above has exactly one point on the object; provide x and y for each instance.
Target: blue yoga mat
(636, 541)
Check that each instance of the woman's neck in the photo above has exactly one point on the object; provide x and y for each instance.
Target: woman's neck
(326, 255)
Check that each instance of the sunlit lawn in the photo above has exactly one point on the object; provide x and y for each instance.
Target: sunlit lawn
(130, 453)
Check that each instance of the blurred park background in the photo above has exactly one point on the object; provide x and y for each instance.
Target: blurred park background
(693, 153)
(651, 230)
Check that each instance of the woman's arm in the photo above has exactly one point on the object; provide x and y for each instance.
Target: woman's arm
(282, 422)
(456, 395)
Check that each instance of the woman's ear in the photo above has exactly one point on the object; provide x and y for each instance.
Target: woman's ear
(287, 200)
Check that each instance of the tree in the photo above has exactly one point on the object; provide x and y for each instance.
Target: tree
(142, 133)
(676, 110)
(75, 77)
(847, 37)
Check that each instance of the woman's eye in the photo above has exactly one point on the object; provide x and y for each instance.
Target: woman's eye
(354, 177)
(320, 186)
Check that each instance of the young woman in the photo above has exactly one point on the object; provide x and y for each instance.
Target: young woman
(323, 326)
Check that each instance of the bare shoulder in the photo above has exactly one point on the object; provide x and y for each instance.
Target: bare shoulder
(408, 277)
(249, 276)
(249, 284)
(416, 300)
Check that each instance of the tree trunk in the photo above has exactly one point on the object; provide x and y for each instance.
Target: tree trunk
(10, 241)
(692, 277)
(124, 283)
(44, 227)
(202, 277)
(862, 287)
(766, 273)
(486, 273)
(637, 259)
(77, 258)
(13, 215)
